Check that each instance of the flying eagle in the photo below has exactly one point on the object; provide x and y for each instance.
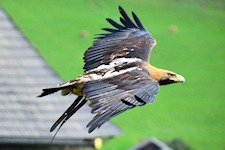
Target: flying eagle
(117, 74)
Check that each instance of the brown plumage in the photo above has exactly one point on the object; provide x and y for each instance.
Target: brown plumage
(117, 74)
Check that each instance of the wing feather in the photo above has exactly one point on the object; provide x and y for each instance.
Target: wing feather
(109, 30)
(112, 96)
(126, 21)
(138, 22)
(115, 24)
(128, 40)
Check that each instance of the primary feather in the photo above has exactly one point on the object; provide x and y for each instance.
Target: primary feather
(129, 40)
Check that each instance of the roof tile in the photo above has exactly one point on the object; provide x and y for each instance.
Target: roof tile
(22, 74)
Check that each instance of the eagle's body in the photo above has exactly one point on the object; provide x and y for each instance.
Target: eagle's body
(117, 74)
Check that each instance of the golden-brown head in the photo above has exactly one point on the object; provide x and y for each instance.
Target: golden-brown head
(164, 77)
(169, 77)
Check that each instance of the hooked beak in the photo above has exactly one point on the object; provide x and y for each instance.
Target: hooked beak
(178, 78)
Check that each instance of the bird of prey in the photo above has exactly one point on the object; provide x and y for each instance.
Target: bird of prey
(117, 74)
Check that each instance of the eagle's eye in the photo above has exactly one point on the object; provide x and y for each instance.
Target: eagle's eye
(171, 75)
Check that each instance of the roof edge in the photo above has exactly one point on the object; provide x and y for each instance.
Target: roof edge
(44, 141)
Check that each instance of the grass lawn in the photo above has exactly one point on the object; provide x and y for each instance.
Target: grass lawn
(193, 112)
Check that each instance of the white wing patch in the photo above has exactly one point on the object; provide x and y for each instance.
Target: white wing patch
(95, 74)
(115, 63)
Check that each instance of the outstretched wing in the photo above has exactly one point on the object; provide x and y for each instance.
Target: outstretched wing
(112, 96)
(128, 40)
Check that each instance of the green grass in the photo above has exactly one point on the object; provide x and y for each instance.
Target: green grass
(194, 112)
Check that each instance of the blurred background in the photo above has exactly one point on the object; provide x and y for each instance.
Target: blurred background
(190, 38)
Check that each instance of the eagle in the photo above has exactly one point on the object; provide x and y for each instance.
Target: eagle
(117, 74)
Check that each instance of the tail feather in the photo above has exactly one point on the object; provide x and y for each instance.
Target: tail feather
(65, 87)
(48, 91)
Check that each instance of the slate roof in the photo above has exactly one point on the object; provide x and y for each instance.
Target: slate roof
(151, 144)
(23, 73)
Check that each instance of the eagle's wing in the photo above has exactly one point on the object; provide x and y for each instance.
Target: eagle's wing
(129, 40)
(112, 96)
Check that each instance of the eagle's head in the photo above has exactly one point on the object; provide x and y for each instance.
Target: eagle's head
(169, 77)
(164, 77)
